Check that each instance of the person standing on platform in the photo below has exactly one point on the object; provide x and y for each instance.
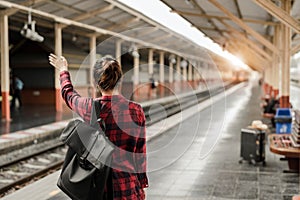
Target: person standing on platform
(17, 87)
(152, 87)
(125, 126)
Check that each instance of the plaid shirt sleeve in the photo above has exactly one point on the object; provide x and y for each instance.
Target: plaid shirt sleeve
(81, 105)
(141, 150)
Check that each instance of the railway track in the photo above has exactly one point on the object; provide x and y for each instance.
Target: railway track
(19, 171)
(175, 105)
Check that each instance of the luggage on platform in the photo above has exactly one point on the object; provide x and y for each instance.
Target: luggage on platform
(253, 145)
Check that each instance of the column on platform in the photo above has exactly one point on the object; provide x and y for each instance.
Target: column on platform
(184, 65)
(58, 52)
(269, 65)
(178, 72)
(172, 61)
(276, 62)
(161, 67)
(93, 50)
(118, 51)
(136, 70)
(195, 71)
(267, 80)
(285, 67)
(190, 71)
(199, 70)
(5, 67)
(150, 62)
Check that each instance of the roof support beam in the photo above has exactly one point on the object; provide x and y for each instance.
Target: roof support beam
(295, 49)
(197, 6)
(279, 13)
(12, 11)
(210, 29)
(247, 41)
(140, 16)
(147, 31)
(239, 22)
(93, 13)
(161, 37)
(253, 46)
(248, 50)
(46, 25)
(95, 29)
(63, 6)
(223, 30)
(224, 17)
(123, 23)
(251, 60)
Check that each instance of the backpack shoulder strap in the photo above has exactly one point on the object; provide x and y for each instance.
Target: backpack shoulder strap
(95, 114)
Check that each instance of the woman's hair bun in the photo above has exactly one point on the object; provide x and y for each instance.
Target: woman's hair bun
(107, 73)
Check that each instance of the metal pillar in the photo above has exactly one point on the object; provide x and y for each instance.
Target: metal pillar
(285, 67)
(58, 52)
(161, 67)
(5, 67)
(93, 40)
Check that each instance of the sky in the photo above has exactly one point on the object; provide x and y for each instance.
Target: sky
(159, 12)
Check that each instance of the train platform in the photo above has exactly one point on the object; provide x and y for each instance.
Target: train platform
(33, 115)
(34, 123)
(197, 156)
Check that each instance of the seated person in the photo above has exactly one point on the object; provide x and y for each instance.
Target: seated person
(270, 108)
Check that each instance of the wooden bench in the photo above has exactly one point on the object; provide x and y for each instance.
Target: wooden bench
(281, 144)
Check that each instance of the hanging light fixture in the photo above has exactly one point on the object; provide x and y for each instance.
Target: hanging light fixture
(184, 64)
(28, 30)
(134, 50)
(172, 59)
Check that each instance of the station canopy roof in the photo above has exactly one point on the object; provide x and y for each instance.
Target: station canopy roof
(243, 27)
(107, 19)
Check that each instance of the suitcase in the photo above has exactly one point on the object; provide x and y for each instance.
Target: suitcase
(253, 145)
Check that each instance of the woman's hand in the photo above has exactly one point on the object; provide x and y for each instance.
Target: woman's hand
(59, 62)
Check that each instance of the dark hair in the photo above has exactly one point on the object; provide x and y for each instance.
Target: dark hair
(107, 73)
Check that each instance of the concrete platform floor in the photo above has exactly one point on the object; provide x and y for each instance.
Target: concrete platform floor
(216, 174)
(199, 158)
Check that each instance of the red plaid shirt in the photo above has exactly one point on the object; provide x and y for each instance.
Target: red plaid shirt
(125, 127)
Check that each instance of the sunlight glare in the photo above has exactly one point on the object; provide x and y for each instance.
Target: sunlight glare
(158, 11)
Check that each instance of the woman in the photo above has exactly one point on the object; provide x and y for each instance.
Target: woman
(124, 121)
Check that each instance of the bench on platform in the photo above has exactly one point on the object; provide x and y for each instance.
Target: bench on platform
(281, 144)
